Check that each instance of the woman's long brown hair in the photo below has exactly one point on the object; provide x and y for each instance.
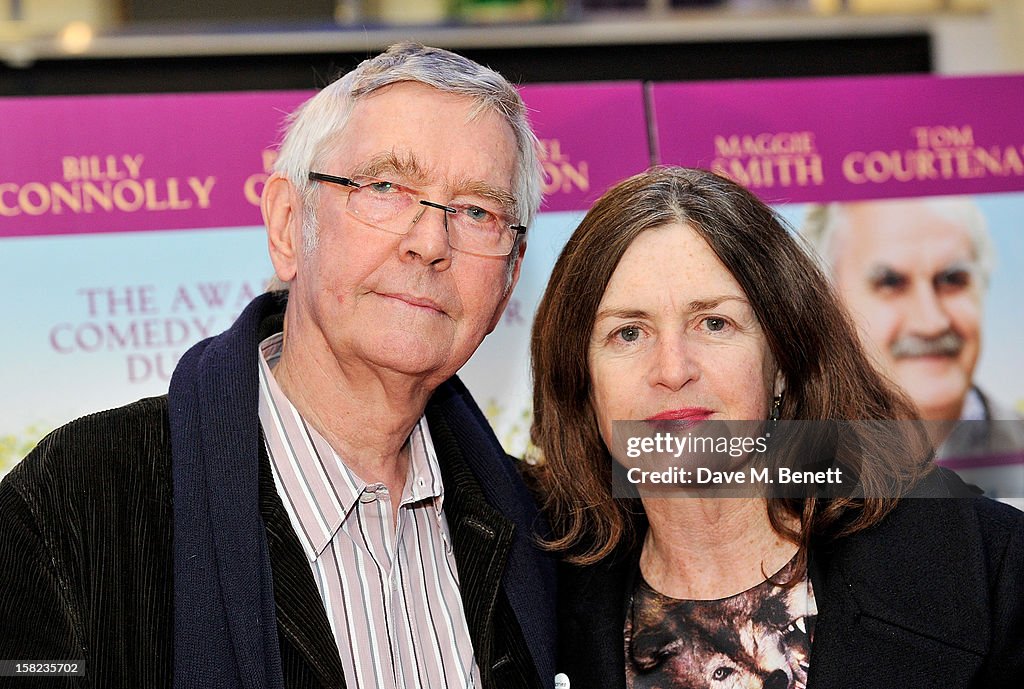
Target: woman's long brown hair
(808, 331)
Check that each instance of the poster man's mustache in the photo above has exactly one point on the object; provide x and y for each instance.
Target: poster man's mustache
(948, 343)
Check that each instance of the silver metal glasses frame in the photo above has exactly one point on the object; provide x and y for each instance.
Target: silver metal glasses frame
(349, 182)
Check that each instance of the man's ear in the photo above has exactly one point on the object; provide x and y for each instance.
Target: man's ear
(516, 267)
(282, 215)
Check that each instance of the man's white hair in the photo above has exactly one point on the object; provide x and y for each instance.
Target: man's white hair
(823, 222)
(312, 131)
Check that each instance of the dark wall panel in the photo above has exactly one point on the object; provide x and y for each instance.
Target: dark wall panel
(901, 54)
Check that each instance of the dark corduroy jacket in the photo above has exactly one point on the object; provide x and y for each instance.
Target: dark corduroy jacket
(87, 563)
(933, 596)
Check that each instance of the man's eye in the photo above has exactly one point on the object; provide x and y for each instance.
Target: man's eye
(630, 333)
(382, 187)
(889, 280)
(478, 214)
(954, 279)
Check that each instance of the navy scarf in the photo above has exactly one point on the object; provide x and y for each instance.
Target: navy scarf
(225, 624)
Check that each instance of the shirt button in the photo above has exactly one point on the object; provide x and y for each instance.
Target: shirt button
(368, 496)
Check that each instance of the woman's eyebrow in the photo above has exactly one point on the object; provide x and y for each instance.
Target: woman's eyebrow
(622, 313)
(627, 313)
(715, 302)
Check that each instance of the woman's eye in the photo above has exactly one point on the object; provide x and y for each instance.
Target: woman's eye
(630, 333)
(715, 324)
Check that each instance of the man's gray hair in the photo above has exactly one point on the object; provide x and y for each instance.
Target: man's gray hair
(314, 128)
(822, 222)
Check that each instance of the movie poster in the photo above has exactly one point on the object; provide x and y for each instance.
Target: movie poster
(911, 189)
(130, 225)
(130, 229)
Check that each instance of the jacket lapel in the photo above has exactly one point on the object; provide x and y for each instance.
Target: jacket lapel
(488, 492)
(481, 538)
(301, 618)
(835, 626)
(592, 617)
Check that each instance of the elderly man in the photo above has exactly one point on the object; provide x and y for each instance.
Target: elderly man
(317, 501)
(913, 273)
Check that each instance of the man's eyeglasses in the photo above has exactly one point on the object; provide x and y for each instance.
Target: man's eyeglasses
(395, 208)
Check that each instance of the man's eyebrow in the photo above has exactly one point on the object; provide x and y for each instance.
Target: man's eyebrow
(409, 169)
(882, 270)
(960, 265)
(489, 191)
(390, 163)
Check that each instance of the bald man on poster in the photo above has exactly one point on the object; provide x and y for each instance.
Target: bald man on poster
(913, 274)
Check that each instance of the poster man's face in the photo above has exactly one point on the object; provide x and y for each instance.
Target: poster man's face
(909, 277)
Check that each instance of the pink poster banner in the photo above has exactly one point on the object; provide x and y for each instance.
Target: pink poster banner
(100, 164)
(591, 136)
(849, 138)
(83, 165)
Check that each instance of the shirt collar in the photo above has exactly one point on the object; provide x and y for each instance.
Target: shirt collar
(320, 465)
(974, 407)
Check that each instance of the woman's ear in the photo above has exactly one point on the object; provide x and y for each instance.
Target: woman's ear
(780, 384)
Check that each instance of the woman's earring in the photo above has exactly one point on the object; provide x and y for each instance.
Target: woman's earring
(773, 418)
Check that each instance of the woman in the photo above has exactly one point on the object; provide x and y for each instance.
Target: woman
(682, 297)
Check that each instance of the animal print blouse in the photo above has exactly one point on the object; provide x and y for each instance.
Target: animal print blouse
(758, 638)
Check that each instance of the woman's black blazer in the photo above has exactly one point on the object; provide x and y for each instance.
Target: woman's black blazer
(933, 596)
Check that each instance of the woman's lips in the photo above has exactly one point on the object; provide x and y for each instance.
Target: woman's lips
(685, 414)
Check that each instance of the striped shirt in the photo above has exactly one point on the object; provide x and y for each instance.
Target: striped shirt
(391, 591)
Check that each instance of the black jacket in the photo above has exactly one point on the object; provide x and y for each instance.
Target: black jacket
(933, 596)
(87, 562)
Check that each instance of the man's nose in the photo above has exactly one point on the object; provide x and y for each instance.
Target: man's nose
(926, 314)
(427, 238)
